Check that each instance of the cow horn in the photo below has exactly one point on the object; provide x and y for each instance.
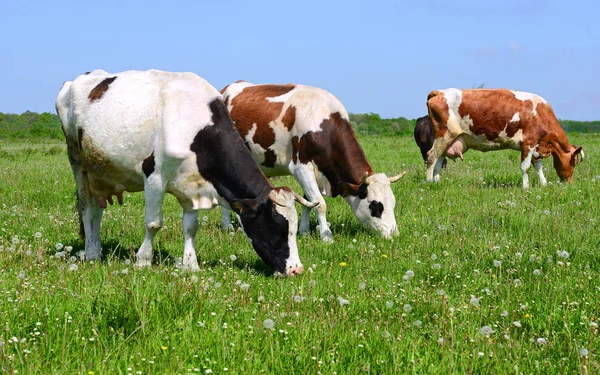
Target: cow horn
(273, 197)
(365, 179)
(397, 177)
(305, 202)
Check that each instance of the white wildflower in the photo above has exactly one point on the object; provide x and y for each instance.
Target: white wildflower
(268, 324)
(486, 331)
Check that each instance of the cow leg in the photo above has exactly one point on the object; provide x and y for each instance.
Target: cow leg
(305, 176)
(93, 249)
(154, 193)
(304, 227)
(190, 228)
(526, 155)
(90, 214)
(538, 168)
(435, 157)
(226, 219)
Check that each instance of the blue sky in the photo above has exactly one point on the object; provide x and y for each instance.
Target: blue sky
(375, 56)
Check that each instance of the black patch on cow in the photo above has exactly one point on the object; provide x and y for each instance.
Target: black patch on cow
(148, 165)
(86, 73)
(100, 89)
(376, 209)
(362, 191)
(424, 137)
(224, 160)
(270, 158)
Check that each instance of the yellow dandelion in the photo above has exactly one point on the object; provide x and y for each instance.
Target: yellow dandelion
(90, 372)
(528, 315)
(343, 264)
(164, 347)
(384, 256)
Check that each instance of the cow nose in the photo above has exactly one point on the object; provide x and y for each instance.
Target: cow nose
(295, 270)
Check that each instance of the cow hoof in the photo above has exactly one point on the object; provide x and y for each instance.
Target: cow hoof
(143, 263)
(190, 268)
(327, 237)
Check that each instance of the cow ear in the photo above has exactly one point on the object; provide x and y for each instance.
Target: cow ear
(577, 151)
(244, 206)
(347, 188)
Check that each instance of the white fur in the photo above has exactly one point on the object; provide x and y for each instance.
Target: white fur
(526, 164)
(381, 191)
(535, 99)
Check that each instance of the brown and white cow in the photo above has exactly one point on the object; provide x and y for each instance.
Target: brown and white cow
(164, 132)
(498, 119)
(305, 132)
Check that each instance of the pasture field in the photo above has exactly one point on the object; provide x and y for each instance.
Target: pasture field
(483, 278)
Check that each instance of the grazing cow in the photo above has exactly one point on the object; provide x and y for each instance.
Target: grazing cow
(498, 119)
(169, 132)
(424, 137)
(305, 131)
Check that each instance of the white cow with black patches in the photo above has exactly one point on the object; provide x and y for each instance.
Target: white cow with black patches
(169, 132)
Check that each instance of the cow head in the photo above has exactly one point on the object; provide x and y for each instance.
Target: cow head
(565, 162)
(373, 202)
(271, 222)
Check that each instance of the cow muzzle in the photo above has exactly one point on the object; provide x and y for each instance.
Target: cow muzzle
(291, 271)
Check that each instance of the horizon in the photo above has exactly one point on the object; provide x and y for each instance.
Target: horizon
(381, 57)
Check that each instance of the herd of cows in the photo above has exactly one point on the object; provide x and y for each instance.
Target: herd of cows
(162, 132)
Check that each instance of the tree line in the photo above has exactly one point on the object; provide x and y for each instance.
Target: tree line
(46, 125)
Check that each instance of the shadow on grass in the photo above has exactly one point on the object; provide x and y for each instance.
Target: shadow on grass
(113, 249)
(256, 265)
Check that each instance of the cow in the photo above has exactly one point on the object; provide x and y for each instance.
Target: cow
(305, 132)
(498, 119)
(424, 137)
(169, 132)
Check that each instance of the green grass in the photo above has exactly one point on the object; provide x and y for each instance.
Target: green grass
(472, 241)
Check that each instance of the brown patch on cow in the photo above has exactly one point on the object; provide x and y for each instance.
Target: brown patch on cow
(252, 107)
(100, 89)
(103, 175)
(289, 118)
(79, 138)
(492, 110)
(336, 152)
(438, 110)
(295, 149)
(270, 159)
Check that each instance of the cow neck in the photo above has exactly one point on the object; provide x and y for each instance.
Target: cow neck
(347, 162)
(224, 160)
